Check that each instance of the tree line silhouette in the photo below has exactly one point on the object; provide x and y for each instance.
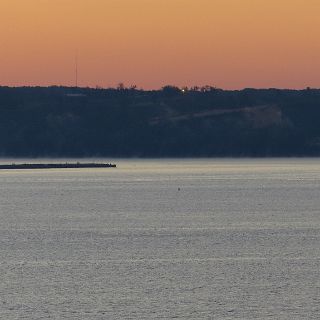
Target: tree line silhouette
(170, 122)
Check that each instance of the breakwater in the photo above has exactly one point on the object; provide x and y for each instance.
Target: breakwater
(56, 165)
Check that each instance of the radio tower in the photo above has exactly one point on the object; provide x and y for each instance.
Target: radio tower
(76, 71)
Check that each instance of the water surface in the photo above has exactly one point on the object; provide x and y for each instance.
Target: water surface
(162, 239)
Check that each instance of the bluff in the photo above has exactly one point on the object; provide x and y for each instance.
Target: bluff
(127, 122)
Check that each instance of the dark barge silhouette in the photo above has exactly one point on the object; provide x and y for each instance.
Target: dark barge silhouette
(56, 165)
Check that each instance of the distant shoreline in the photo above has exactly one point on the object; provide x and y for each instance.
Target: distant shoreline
(173, 122)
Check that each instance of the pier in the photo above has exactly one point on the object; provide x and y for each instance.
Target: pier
(77, 165)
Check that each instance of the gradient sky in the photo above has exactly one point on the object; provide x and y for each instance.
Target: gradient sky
(227, 43)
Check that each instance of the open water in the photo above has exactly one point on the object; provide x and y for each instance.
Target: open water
(162, 239)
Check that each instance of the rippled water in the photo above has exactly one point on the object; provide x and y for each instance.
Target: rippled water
(189, 239)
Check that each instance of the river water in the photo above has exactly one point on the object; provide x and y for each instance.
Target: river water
(162, 239)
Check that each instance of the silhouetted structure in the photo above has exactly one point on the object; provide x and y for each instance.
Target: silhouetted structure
(77, 165)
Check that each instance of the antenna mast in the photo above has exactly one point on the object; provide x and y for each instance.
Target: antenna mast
(76, 71)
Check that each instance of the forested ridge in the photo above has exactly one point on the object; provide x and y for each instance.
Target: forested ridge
(171, 122)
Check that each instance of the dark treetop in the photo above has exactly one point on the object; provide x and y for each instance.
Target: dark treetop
(197, 122)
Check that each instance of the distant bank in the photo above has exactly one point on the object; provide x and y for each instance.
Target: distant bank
(172, 122)
(56, 165)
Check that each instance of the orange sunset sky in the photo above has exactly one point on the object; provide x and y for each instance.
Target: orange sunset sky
(230, 44)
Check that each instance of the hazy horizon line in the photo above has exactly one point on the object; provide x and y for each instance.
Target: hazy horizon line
(134, 87)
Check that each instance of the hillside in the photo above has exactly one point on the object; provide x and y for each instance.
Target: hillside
(60, 121)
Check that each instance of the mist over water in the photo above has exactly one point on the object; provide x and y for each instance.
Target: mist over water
(162, 239)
